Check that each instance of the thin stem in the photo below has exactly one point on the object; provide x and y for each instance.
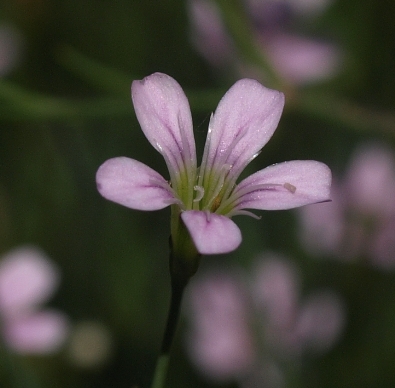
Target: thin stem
(160, 371)
(177, 291)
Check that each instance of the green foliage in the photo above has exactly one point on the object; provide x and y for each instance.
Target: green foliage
(65, 109)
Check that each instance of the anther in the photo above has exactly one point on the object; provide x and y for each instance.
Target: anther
(289, 187)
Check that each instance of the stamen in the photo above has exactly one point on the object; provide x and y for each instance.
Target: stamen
(199, 194)
(244, 213)
(214, 194)
(175, 201)
(290, 187)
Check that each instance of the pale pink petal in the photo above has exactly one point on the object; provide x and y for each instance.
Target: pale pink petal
(212, 233)
(243, 123)
(38, 333)
(133, 184)
(284, 186)
(165, 118)
(27, 278)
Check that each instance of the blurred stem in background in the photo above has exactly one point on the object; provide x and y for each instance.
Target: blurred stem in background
(19, 104)
(240, 29)
(108, 97)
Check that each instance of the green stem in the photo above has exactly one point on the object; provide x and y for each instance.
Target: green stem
(160, 371)
(177, 291)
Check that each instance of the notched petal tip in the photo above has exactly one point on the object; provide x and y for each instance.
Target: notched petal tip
(212, 233)
(163, 112)
(133, 184)
(243, 123)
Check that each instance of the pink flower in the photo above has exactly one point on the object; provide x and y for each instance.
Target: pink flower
(242, 326)
(293, 326)
(360, 222)
(220, 341)
(205, 198)
(27, 279)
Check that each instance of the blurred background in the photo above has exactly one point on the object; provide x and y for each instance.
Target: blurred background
(308, 298)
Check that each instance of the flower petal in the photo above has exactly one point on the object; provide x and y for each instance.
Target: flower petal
(27, 278)
(212, 233)
(243, 123)
(133, 184)
(163, 112)
(39, 333)
(285, 186)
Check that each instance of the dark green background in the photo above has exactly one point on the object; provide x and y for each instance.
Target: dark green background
(66, 109)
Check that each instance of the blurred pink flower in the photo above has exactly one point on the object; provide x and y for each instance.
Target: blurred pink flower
(296, 58)
(28, 279)
(359, 223)
(209, 35)
(293, 327)
(300, 60)
(242, 326)
(320, 322)
(220, 341)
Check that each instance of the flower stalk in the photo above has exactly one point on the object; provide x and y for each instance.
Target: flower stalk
(183, 263)
(160, 374)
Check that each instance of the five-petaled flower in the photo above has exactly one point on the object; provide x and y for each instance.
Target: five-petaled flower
(206, 198)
